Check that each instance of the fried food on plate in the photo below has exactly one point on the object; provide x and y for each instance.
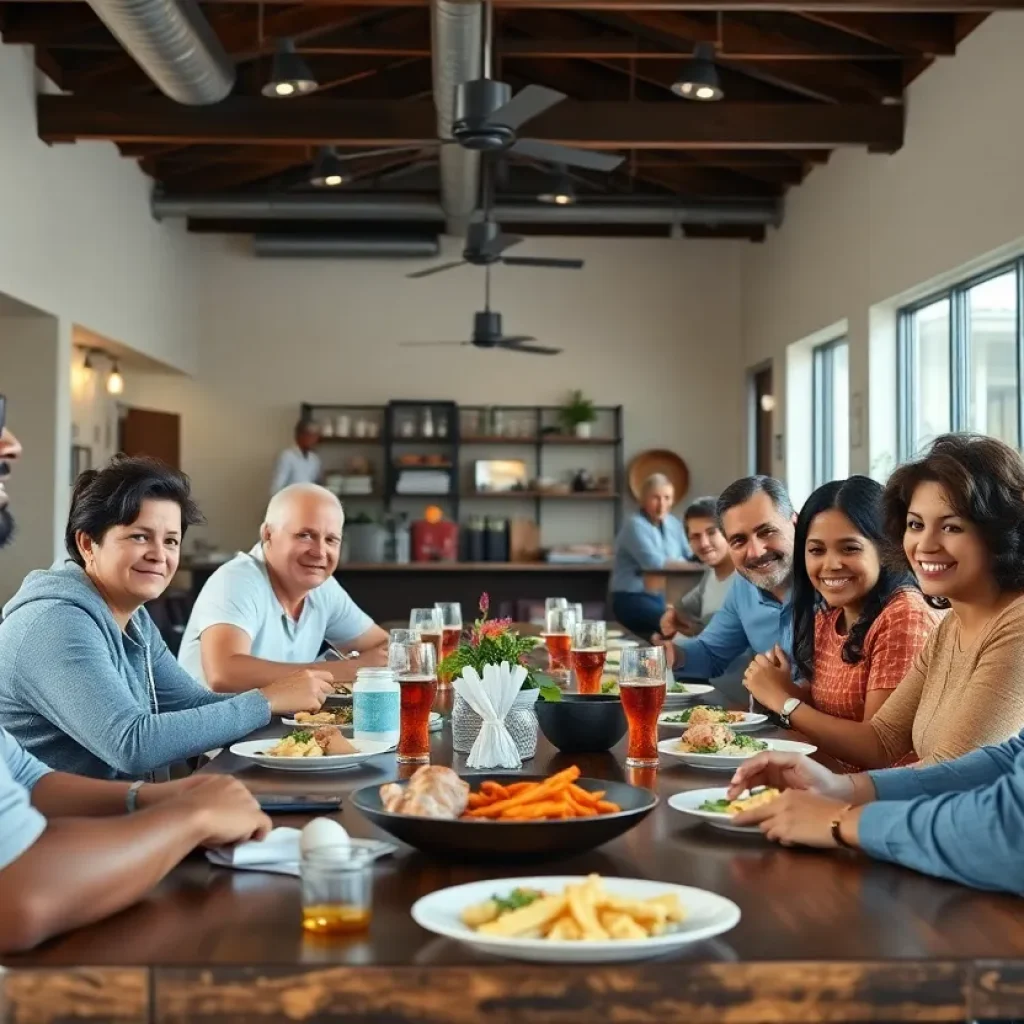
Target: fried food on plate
(325, 741)
(557, 797)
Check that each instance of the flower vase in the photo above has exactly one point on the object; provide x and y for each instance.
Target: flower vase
(521, 722)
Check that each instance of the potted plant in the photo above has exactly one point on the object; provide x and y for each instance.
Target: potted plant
(577, 415)
(490, 642)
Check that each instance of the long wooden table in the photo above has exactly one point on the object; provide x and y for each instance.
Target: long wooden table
(825, 936)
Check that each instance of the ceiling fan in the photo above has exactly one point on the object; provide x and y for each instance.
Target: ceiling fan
(487, 119)
(487, 332)
(486, 244)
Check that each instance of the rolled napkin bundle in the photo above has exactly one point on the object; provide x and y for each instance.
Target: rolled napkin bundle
(491, 698)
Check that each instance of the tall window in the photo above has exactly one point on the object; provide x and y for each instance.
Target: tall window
(831, 412)
(959, 361)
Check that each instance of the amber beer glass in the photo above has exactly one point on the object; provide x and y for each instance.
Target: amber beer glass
(427, 622)
(451, 633)
(642, 687)
(415, 664)
(558, 629)
(588, 655)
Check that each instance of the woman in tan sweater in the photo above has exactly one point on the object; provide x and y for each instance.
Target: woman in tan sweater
(957, 517)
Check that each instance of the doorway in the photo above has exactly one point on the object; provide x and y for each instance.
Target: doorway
(156, 434)
(759, 416)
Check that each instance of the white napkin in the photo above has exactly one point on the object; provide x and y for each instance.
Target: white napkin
(278, 853)
(491, 698)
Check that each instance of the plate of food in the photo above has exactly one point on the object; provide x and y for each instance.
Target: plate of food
(343, 717)
(575, 919)
(677, 694)
(717, 746)
(504, 815)
(714, 807)
(322, 749)
(738, 721)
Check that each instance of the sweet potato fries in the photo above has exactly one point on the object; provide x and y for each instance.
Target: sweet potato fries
(557, 797)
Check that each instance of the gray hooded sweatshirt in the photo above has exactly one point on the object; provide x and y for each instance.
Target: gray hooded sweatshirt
(87, 698)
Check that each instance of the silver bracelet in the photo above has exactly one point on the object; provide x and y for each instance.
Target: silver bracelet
(131, 798)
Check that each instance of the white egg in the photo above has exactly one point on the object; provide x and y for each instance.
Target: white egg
(322, 834)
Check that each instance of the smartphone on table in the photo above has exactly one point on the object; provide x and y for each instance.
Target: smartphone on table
(284, 803)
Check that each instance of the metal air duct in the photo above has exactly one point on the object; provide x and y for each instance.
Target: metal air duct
(174, 44)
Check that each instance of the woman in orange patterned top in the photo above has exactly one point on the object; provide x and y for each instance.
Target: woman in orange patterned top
(858, 625)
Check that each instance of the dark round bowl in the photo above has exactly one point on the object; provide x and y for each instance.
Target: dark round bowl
(511, 840)
(581, 724)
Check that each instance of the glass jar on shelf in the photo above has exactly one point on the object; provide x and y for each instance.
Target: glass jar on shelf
(342, 425)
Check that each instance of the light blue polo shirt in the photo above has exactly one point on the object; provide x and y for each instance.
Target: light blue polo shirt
(239, 594)
(643, 547)
(20, 823)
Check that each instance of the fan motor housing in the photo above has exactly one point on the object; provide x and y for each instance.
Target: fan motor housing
(486, 328)
(474, 103)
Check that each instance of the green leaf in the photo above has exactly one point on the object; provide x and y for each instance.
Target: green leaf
(551, 693)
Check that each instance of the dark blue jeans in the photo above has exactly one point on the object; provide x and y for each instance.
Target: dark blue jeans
(639, 612)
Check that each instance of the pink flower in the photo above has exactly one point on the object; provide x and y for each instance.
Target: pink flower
(485, 603)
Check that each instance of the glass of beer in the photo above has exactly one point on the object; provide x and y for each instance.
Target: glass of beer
(558, 630)
(587, 655)
(451, 632)
(415, 664)
(426, 622)
(337, 888)
(642, 686)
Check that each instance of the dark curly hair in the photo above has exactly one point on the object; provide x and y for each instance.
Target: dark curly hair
(859, 499)
(113, 496)
(983, 480)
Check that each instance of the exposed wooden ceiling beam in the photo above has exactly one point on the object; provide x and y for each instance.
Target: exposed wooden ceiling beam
(851, 6)
(931, 35)
(592, 125)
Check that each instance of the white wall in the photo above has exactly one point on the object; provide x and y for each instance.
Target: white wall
(652, 324)
(866, 230)
(76, 236)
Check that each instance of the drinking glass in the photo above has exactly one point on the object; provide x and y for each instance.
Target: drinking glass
(451, 631)
(427, 623)
(642, 687)
(578, 609)
(588, 655)
(337, 888)
(558, 630)
(402, 636)
(554, 602)
(415, 664)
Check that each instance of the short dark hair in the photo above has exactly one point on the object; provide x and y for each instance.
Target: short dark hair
(983, 480)
(306, 426)
(113, 496)
(859, 499)
(700, 508)
(746, 487)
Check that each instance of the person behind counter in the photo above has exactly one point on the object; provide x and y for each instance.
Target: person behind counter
(271, 609)
(651, 539)
(300, 463)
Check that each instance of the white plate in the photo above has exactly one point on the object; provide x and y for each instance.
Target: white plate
(749, 723)
(434, 723)
(253, 750)
(617, 644)
(614, 634)
(707, 915)
(729, 762)
(691, 695)
(689, 803)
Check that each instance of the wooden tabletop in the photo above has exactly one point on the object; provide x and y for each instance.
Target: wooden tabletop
(825, 936)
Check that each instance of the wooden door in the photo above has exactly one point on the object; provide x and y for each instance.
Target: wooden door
(763, 421)
(157, 434)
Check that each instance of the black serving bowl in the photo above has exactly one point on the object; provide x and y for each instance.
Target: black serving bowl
(581, 723)
(511, 840)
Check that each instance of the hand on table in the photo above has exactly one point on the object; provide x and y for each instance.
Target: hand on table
(227, 811)
(769, 679)
(304, 690)
(790, 772)
(795, 818)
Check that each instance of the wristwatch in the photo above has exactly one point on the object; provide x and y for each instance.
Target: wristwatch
(131, 798)
(789, 705)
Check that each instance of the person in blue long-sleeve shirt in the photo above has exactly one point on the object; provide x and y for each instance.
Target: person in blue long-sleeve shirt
(962, 819)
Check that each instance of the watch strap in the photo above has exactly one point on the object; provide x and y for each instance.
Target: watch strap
(784, 715)
(131, 798)
(837, 828)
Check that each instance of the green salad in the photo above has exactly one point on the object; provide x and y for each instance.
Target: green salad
(715, 806)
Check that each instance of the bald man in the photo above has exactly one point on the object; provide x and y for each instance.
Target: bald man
(271, 609)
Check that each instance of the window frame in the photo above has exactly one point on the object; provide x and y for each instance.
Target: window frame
(823, 408)
(959, 355)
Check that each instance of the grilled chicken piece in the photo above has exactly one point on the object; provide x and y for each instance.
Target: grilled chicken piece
(332, 742)
(434, 791)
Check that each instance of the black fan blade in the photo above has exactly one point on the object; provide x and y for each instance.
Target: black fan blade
(525, 105)
(516, 345)
(381, 152)
(408, 344)
(552, 153)
(436, 270)
(500, 243)
(542, 261)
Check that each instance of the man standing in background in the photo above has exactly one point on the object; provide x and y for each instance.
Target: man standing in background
(300, 463)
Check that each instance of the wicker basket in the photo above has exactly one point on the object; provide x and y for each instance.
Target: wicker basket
(521, 722)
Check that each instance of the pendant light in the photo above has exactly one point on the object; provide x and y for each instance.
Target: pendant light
(563, 194)
(698, 77)
(115, 382)
(328, 170)
(289, 73)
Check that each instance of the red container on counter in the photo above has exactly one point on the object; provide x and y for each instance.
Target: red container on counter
(435, 542)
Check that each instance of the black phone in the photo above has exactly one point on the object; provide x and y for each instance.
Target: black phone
(282, 803)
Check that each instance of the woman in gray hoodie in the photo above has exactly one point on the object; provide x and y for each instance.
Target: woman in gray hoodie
(87, 683)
